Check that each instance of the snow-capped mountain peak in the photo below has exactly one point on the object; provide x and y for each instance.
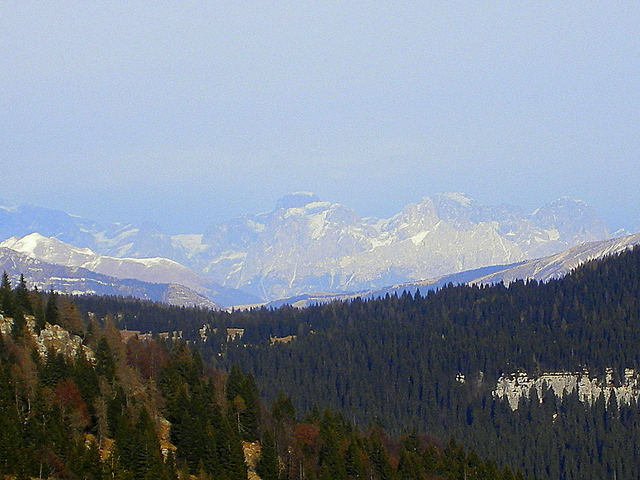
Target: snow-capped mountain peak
(296, 200)
(49, 249)
(157, 270)
(305, 244)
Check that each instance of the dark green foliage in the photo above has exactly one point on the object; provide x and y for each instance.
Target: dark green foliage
(51, 313)
(397, 359)
(105, 364)
(243, 403)
(138, 449)
(282, 409)
(330, 458)
(37, 305)
(55, 369)
(90, 465)
(57, 414)
(20, 305)
(116, 406)
(136, 314)
(19, 323)
(6, 296)
(22, 297)
(354, 461)
(10, 431)
(379, 457)
(268, 467)
(204, 438)
(394, 361)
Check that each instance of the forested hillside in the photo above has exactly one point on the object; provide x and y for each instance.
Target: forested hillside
(80, 399)
(398, 360)
(431, 362)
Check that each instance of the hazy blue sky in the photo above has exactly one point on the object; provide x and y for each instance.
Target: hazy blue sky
(187, 113)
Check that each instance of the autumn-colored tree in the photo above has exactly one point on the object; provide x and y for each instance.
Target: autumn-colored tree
(68, 315)
(73, 407)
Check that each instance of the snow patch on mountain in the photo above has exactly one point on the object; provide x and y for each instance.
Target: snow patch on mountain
(558, 265)
(191, 243)
(195, 290)
(306, 245)
(542, 269)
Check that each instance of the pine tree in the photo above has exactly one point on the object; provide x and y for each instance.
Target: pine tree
(37, 308)
(6, 296)
(105, 364)
(51, 314)
(268, 465)
(22, 297)
(10, 427)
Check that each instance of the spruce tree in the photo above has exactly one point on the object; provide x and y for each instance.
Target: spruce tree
(6, 296)
(268, 466)
(37, 309)
(51, 314)
(22, 297)
(10, 426)
(105, 364)
(19, 323)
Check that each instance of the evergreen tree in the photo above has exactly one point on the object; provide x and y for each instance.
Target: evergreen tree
(19, 324)
(22, 297)
(354, 461)
(138, 449)
(105, 363)
(268, 467)
(51, 314)
(10, 426)
(282, 408)
(38, 309)
(6, 296)
(379, 457)
(242, 397)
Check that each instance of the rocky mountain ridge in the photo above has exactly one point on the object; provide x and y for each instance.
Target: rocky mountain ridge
(306, 245)
(151, 270)
(78, 281)
(540, 269)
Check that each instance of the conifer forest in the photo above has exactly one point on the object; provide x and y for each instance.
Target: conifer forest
(401, 387)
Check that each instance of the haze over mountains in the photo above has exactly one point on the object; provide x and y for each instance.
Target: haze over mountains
(306, 245)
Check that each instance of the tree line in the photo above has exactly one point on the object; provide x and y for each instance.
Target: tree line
(154, 409)
(396, 362)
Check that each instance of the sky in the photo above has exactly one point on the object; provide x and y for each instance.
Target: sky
(189, 113)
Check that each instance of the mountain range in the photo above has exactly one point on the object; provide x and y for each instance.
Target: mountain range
(305, 245)
(79, 281)
(540, 269)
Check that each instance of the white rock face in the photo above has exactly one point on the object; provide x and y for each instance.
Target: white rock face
(52, 338)
(52, 250)
(57, 339)
(186, 288)
(559, 264)
(306, 245)
(519, 385)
